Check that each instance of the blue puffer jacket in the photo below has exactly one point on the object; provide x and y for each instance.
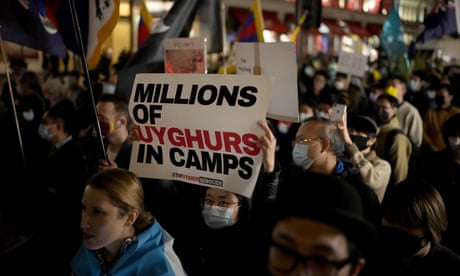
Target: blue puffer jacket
(150, 254)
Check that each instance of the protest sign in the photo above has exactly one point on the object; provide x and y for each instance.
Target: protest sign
(201, 129)
(277, 59)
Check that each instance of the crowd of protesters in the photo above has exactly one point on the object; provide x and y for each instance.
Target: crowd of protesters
(60, 165)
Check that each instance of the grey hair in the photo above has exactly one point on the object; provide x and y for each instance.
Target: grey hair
(331, 132)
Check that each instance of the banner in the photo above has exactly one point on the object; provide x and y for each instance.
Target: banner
(149, 57)
(392, 36)
(145, 24)
(200, 129)
(96, 19)
(22, 23)
(252, 29)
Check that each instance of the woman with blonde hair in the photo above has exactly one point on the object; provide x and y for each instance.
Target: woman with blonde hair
(119, 236)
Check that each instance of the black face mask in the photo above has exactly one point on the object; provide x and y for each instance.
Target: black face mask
(400, 243)
(439, 100)
(382, 116)
(360, 141)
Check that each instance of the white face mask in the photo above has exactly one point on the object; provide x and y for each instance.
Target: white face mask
(28, 115)
(431, 94)
(43, 132)
(300, 156)
(304, 116)
(454, 142)
(217, 217)
(339, 85)
(323, 114)
(413, 85)
(373, 97)
(19, 89)
(283, 127)
(108, 88)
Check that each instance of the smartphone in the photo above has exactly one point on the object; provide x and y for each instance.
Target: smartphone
(338, 112)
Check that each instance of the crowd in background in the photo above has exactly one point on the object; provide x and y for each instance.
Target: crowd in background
(51, 150)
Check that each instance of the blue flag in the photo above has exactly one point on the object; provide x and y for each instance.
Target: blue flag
(391, 38)
(21, 23)
(441, 21)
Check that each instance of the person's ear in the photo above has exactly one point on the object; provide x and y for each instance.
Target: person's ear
(132, 217)
(123, 120)
(371, 141)
(356, 270)
(325, 145)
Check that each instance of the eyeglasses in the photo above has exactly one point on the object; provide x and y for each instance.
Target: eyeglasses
(306, 140)
(220, 203)
(285, 260)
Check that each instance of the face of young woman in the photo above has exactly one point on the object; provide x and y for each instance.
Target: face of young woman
(102, 225)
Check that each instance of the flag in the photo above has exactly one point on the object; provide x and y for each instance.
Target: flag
(145, 24)
(96, 20)
(439, 22)
(209, 24)
(297, 28)
(149, 58)
(392, 36)
(252, 29)
(21, 23)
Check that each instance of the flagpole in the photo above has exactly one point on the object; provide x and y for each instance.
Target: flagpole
(76, 25)
(224, 33)
(13, 105)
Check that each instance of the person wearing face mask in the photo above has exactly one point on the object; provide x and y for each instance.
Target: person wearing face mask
(410, 120)
(443, 170)
(417, 92)
(318, 148)
(347, 92)
(435, 118)
(62, 174)
(359, 134)
(401, 146)
(229, 226)
(413, 223)
(307, 109)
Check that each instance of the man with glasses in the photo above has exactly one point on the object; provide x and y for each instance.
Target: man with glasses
(320, 229)
(318, 148)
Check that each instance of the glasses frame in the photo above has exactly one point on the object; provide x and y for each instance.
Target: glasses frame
(336, 266)
(219, 203)
(306, 141)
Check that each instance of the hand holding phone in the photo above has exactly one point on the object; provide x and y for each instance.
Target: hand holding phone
(338, 112)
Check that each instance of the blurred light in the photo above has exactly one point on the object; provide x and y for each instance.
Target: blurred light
(124, 9)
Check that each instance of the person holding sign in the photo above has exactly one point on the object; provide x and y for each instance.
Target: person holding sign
(318, 148)
(231, 226)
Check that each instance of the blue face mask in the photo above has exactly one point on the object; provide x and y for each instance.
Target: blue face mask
(300, 156)
(217, 217)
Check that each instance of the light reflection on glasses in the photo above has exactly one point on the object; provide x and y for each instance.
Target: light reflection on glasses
(306, 140)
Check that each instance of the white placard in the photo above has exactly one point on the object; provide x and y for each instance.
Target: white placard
(201, 129)
(276, 59)
(353, 64)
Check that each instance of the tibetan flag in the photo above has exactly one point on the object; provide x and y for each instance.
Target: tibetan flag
(22, 24)
(145, 24)
(392, 36)
(440, 21)
(96, 19)
(253, 28)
